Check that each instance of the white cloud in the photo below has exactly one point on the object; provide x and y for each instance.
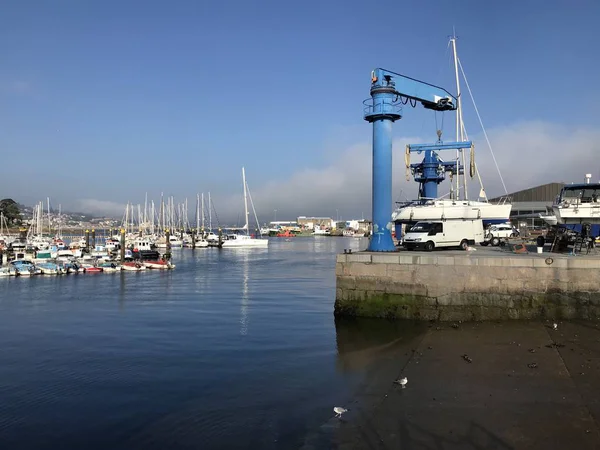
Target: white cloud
(528, 154)
(534, 153)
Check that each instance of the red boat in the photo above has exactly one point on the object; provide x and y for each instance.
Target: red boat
(286, 234)
(92, 269)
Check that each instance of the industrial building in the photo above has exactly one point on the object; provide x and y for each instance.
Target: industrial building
(528, 204)
(311, 222)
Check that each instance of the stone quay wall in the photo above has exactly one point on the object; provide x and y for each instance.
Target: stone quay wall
(452, 286)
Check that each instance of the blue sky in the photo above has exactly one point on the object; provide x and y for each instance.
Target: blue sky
(101, 102)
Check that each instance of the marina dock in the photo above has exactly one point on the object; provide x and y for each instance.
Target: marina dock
(486, 284)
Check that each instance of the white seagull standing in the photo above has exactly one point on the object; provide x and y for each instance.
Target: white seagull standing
(402, 382)
(338, 410)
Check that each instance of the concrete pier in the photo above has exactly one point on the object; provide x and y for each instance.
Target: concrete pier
(487, 284)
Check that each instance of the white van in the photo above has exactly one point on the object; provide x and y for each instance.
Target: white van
(444, 233)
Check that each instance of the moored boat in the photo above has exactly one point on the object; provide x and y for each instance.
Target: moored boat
(132, 266)
(158, 264)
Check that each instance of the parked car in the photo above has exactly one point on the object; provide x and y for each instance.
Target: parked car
(502, 230)
(497, 234)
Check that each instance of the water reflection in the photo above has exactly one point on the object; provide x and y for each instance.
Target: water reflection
(362, 341)
(244, 260)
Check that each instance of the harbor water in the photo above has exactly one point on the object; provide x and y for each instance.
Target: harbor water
(233, 349)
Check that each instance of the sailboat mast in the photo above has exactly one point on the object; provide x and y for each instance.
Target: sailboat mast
(245, 201)
(152, 219)
(460, 137)
(202, 207)
(209, 212)
(49, 223)
(197, 211)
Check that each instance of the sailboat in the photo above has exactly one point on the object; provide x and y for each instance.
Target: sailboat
(245, 240)
(454, 207)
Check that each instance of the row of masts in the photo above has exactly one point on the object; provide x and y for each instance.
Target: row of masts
(41, 219)
(168, 216)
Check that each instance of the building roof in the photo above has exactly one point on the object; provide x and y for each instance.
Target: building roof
(544, 193)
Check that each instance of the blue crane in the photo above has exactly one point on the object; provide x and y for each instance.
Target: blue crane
(389, 91)
(430, 172)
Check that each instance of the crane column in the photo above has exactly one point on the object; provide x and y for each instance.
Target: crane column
(382, 110)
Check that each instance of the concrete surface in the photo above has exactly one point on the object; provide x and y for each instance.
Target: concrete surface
(494, 402)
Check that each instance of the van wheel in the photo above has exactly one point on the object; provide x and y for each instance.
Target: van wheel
(429, 246)
(464, 244)
(513, 235)
(495, 242)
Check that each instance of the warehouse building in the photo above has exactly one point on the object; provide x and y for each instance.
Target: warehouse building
(528, 204)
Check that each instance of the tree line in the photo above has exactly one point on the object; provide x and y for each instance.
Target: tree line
(10, 209)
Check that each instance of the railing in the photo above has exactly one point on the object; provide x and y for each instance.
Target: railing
(373, 106)
(505, 199)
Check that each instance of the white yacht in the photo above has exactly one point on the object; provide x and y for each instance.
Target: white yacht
(245, 240)
(578, 203)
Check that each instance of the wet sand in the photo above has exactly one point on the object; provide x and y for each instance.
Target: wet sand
(526, 386)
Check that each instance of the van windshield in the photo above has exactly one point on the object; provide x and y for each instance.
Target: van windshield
(421, 227)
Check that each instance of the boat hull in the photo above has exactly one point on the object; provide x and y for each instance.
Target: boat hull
(246, 243)
(577, 215)
(489, 213)
(133, 267)
(159, 265)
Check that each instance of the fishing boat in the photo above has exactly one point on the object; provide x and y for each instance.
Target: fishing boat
(245, 240)
(321, 231)
(455, 207)
(286, 234)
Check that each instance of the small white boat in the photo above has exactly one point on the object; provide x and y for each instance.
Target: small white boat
(110, 266)
(49, 268)
(24, 268)
(160, 265)
(132, 266)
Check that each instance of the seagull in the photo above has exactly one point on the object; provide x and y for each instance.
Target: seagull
(554, 326)
(338, 410)
(402, 382)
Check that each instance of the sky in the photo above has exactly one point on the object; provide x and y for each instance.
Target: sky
(103, 102)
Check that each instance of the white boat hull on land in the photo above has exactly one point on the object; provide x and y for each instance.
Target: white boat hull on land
(449, 209)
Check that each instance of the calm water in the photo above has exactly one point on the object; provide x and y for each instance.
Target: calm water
(233, 349)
